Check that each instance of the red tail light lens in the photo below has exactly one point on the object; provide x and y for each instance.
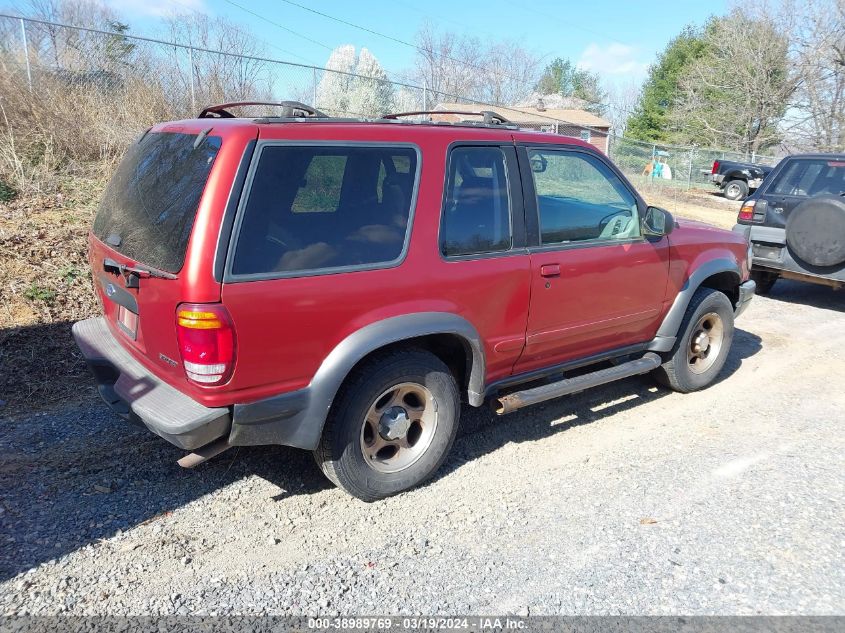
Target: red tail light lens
(206, 342)
(747, 212)
(715, 167)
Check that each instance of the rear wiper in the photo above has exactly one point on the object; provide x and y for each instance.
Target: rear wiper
(132, 273)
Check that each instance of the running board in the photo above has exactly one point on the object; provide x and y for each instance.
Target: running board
(519, 399)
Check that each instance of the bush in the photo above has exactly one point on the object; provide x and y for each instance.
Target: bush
(7, 192)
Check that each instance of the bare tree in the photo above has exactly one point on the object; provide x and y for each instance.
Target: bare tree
(68, 49)
(510, 72)
(461, 68)
(231, 75)
(622, 99)
(448, 65)
(817, 51)
(737, 93)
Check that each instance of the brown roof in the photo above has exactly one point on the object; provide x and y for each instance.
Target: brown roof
(525, 114)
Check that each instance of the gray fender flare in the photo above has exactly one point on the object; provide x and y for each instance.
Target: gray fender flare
(667, 333)
(297, 418)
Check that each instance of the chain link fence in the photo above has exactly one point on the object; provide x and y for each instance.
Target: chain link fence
(688, 167)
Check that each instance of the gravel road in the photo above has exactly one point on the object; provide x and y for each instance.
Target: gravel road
(623, 500)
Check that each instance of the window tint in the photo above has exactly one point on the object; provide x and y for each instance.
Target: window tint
(326, 176)
(317, 207)
(476, 216)
(579, 198)
(152, 199)
(811, 177)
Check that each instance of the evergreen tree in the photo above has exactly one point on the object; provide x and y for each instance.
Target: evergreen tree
(661, 90)
(564, 78)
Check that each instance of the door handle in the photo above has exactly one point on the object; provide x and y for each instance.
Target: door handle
(550, 270)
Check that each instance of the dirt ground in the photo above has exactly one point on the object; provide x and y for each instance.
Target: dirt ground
(705, 205)
(627, 499)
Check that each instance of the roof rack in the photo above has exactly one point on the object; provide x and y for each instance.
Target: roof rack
(488, 116)
(290, 109)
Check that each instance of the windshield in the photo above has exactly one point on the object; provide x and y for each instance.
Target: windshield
(148, 208)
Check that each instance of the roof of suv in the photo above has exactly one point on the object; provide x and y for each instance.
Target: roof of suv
(822, 155)
(491, 126)
(384, 129)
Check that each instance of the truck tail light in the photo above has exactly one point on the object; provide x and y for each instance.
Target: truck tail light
(715, 168)
(206, 342)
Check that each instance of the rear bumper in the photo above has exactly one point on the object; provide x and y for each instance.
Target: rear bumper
(717, 178)
(769, 252)
(136, 395)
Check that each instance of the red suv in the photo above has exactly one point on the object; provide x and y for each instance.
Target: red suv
(343, 285)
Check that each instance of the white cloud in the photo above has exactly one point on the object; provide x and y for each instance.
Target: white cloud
(158, 8)
(614, 59)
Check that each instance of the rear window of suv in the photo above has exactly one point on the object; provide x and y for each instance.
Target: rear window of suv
(323, 208)
(149, 205)
(811, 177)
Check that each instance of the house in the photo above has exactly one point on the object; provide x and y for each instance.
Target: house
(568, 122)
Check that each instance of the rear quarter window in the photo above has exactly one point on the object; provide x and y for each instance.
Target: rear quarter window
(320, 208)
(151, 201)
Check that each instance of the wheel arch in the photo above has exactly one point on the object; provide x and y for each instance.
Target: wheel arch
(737, 174)
(720, 274)
(297, 419)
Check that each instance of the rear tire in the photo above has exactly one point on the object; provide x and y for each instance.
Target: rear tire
(736, 190)
(764, 280)
(704, 341)
(391, 426)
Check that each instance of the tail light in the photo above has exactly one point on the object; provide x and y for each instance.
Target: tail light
(715, 168)
(753, 211)
(206, 342)
(747, 212)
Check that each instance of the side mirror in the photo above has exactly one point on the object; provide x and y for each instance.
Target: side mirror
(658, 222)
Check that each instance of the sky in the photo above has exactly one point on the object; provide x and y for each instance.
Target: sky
(615, 38)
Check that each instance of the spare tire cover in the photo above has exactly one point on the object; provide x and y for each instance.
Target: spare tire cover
(815, 231)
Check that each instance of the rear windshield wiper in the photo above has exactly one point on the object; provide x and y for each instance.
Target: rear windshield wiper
(111, 266)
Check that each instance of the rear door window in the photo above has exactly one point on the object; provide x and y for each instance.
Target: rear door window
(321, 208)
(476, 216)
(149, 206)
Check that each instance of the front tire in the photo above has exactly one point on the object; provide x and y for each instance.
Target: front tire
(736, 190)
(391, 426)
(704, 341)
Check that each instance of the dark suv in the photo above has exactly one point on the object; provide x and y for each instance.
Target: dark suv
(796, 222)
(342, 286)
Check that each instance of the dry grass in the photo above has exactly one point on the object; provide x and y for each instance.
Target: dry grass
(45, 285)
(58, 144)
(61, 130)
(697, 204)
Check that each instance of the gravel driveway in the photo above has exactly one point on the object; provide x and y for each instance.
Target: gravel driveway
(622, 500)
